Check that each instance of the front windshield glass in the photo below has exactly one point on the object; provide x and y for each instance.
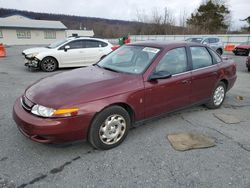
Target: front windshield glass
(129, 59)
(57, 43)
(197, 40)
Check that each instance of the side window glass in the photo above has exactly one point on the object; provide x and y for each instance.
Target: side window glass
(200, 57)
(174, 61)
(92, 44)
(217, 58)
(103, 44)
(212, 40)
(205, 41)
(75, 44)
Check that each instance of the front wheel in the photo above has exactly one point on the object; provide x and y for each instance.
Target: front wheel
(48, 64)
(218, 96)
(109, 128)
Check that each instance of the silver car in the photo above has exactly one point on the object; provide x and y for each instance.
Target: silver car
(213, 42)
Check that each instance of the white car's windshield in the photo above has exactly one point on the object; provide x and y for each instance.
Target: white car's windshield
(129, 59)
(57, 43)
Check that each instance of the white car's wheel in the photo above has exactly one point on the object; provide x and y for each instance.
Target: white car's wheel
(48, 64)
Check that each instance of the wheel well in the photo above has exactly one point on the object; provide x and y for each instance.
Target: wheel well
(220, 49)
(225, 82)
(128, 108)
(123, 105)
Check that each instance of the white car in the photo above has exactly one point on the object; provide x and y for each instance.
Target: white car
(70, 52)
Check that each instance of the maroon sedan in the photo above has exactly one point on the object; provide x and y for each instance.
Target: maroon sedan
(135, 82)
(242, 49)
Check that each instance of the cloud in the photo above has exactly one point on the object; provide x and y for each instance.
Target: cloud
(122, 9)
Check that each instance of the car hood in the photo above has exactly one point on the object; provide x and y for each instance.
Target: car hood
(80, 86)
(35, 50)
(243, 46)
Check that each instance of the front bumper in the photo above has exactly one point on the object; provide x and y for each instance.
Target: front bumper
(50, 130)
(33, 63)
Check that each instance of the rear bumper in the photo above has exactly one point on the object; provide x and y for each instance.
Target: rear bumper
(50, 130)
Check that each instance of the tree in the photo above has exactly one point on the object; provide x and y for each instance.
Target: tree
(211, 17)
(248, 22)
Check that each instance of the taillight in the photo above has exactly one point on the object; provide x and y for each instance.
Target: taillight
(115, 47)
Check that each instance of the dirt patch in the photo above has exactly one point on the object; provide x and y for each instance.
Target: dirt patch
(188, 141)
(228, 119)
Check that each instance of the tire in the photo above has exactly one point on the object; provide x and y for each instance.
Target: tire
(109, 128)
(218, 96)
(219, 51)
(248, 69)
(49, 64)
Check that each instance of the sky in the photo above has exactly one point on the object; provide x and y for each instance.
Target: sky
(124, 9)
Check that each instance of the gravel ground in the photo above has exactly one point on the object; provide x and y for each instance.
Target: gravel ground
(145, 159)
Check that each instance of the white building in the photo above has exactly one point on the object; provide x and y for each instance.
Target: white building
(82, 33)
(20, 30)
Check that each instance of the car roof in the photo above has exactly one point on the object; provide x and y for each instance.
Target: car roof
(165, 44)
(89, 38)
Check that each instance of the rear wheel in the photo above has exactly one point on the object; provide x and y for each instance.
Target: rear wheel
(218, 96)
(48, 64)
(248, 69)
(109, 128)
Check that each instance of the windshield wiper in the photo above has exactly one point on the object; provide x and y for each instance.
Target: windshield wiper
(107, 68)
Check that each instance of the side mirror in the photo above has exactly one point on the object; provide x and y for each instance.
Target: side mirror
(205, 42)
(159, 75)
(66, 48)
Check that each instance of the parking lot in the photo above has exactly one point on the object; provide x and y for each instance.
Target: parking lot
(145, 159)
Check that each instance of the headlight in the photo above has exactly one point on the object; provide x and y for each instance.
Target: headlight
(31, 55)
(50, 112)
(42, 111)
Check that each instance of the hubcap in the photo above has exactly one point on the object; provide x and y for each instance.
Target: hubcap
(112, 129)
(219, 95)
(49, 64)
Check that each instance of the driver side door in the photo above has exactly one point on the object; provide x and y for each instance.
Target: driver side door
(74, 56)
(165, 95)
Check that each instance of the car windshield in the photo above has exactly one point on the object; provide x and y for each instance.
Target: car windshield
(57, 43)
(245, 43)
(197, 40)
(129, 59)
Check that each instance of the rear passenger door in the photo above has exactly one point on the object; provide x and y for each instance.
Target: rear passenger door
(93, 51)
(204, 74)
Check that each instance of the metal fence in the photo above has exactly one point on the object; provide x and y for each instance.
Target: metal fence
(234, 39)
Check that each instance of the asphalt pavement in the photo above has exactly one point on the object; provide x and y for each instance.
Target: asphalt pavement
(144, 159)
